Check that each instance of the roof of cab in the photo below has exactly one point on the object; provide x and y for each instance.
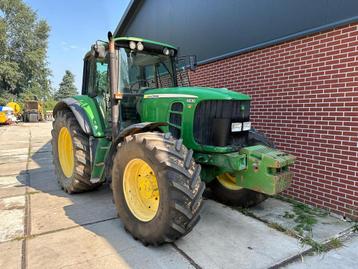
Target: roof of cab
(137, 39)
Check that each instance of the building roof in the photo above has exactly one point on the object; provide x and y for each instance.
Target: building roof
(128, 15)
(214, 30)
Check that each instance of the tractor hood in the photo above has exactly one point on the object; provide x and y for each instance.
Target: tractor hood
(190, 113)
(202, 93)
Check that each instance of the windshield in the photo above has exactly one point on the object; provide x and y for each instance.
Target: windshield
(140, 70)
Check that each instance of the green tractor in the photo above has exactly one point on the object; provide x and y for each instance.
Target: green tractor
(157, 143)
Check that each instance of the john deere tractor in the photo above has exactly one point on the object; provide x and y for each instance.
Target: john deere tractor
(158, 144)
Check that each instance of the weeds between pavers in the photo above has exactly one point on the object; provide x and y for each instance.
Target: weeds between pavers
(321, 247)
(305, 218)
(303, 215)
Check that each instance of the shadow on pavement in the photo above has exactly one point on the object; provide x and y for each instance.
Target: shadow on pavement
(86, 220)
(85, 229)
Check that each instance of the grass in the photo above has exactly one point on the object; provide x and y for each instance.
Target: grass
(305, 218)
(333, 244)
(279, 228)
(33, 192)
(355, 228)
(324, 247)
(308, 240)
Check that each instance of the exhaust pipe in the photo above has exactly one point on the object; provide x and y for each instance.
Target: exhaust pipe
(115, 101)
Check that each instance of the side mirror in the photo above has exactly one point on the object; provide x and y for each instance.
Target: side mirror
(192, 62)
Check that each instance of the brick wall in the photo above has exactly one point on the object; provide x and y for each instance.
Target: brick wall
(305, 98)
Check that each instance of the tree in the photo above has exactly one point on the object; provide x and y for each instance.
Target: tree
(23, 50)
(67, 86)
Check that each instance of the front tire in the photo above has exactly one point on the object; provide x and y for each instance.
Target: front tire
(170, 204)
(224, 187)
(227, 192)
(71, 154)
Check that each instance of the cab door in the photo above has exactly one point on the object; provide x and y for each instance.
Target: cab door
(96, 85)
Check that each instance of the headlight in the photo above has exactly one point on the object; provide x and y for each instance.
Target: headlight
(140, 46)
(246, 126)
(166, 51)
(236, 127)
(132, 45)
(172, 52)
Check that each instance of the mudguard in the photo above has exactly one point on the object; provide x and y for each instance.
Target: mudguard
(86, 113)
(139, 128)
(130, 130)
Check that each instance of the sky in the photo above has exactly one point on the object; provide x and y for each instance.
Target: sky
(75, 26)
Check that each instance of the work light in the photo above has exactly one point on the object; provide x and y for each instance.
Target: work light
(166, 51)
(140, 46)
(132, 45)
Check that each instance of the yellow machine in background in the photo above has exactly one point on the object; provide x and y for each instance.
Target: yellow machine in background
(16, 108)
(3, 118)
(9, 113)
(33, 111)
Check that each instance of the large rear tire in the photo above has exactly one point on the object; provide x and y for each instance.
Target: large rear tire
(71, 154)
(156, 187)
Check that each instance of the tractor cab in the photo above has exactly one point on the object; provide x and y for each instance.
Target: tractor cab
(139, 65)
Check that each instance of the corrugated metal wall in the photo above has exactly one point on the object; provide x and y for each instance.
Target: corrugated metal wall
(212, 28)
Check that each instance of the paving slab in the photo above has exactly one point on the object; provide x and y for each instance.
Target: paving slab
(12, 152)
(15, 134)
(274, 211)
(57, 210)
(3, 129)
(40, 144)
(45, 169)
(40, 164)
(45, 148)
(12, 211)
(345, 257)
(6, 159)
(12, 168)
(43, 158)
(18, 145)
(43, 139)
(41, 155)
(10, 257)
(12, 180)
(7, 191)
(101, 245)
(43, 180)
(225, 238)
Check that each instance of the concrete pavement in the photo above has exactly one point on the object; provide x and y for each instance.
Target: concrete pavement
(43, 227)
(341, 258)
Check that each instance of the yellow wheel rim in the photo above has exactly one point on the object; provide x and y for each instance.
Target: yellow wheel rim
(141, 190)
(228, 181)
(65, 152)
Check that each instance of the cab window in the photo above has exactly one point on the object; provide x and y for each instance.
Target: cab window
(101, 83)
(95, 77)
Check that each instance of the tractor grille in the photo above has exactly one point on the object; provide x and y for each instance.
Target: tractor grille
(213, 118)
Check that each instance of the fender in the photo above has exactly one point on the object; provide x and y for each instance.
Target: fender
(86, 113)
(130, 130)
(139, 128)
